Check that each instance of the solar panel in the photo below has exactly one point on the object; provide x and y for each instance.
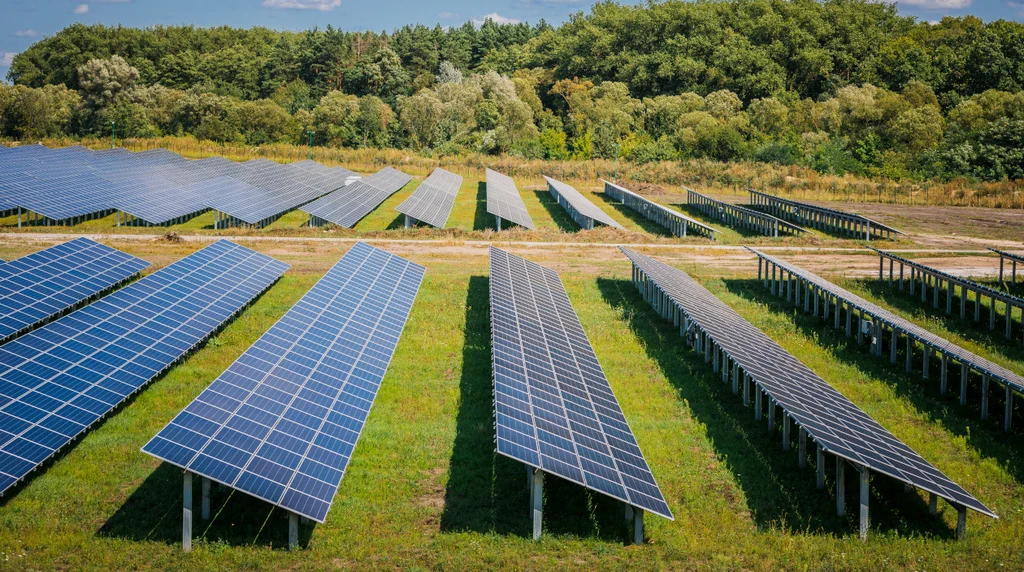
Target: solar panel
(677, 223)
(60, 379)
(821, 218)
(504, 200)
(348, 205)
(38, 287)
(584, 212)
(918, 333)
(735, 215)
(432, 201)
(829, 418)
(281, 422)
(553, 405)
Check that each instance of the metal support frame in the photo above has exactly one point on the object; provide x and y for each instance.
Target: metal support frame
(536, 483)
(186, 513)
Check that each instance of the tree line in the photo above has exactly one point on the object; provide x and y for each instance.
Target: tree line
(838, 85)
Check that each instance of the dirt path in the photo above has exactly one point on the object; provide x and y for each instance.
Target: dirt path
(315, 255)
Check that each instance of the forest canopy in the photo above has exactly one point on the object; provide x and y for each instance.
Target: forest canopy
(839, 85)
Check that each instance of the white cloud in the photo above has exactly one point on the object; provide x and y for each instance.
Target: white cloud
(322, 5)
(26, 33)
(7, 58)
(937, 4)
(448, 16)
(1018, 6)
(82, 9)
(496, 18)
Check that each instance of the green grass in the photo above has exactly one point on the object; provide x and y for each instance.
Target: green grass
(425, 489)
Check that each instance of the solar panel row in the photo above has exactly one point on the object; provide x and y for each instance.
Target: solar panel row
(584, 212)
(432, 201)
(348, 205)
(282, 421)
(677, 223)
(918, 333)
(154, 187)
(822, 218)
(553, 405)
(742, 217)
(38, 287)
(828, 417)
(504, 201)
(60, 379)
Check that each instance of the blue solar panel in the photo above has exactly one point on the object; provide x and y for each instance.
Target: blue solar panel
(58, 380)
(554, 408)
(38, 287)
(281, 423)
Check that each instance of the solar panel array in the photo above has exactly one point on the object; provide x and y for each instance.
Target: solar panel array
(155, 187)
(282, 422)
(950, 278)
(829, 418)
(348, 205)
(913, 330)
(553, 405)
(584, 212)
(58, 380)
(38, 287)
(432, 201)
(504, 200)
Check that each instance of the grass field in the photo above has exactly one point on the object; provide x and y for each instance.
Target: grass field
(426, 490)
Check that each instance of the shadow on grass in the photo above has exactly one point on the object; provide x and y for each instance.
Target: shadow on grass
(153, 513)
(482, 220)
(557, 213)
(643, 222)
(486, 492)
(693, 213)
(399, 222)
(778, 493)
(944, 411)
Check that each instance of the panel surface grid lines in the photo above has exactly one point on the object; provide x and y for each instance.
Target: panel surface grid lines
(348, 205)
(829, 418)
(504, 200)
(41, 286)
(581, 204)
(58, 380)
(554, 408)
(282, 421)
(432, 201)
(917, 332)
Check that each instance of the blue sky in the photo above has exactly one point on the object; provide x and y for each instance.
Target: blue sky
(26, 21)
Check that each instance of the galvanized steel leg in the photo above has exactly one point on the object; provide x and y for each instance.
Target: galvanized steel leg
(293, 531)
(538, 502)
(840, 487)
(186, 514)
(865, 493)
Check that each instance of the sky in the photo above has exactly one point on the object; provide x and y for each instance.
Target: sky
(26, 21)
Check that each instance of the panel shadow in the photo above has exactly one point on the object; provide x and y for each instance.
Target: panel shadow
(693, 213)
(556, 212)
(482, 220)
(643, 222)
(779, 494)
(487, 492)
(153, 513)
